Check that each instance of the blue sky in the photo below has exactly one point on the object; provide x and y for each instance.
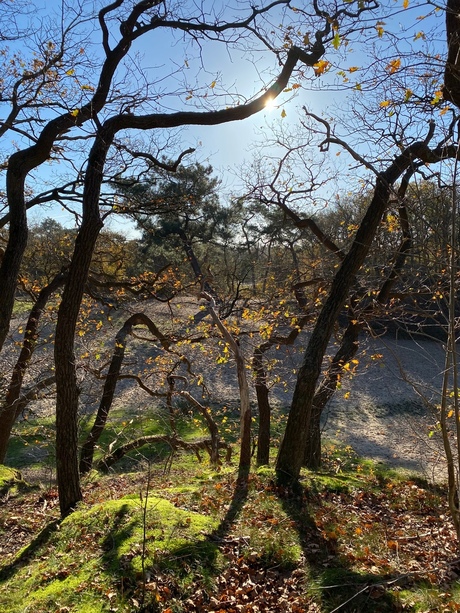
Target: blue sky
(245, 74)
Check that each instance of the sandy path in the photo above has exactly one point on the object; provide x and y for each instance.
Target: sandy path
(382, 411)
(391, 410)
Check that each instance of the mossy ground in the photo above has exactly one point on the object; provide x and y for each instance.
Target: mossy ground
(354, 538)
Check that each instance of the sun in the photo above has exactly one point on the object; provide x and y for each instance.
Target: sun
(270, 104)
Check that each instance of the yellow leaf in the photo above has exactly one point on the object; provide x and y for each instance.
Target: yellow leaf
(346, 395)
(437, 97)
(393, 66)
(450, 413)
(409, 93)
(321, 67)
(75, 112)
(70, 72)
(353, 69)
(379, 27)
(384, 103)
(283, 113)
(336, 41)
(213, 84)
(405, 4)
(444, 110)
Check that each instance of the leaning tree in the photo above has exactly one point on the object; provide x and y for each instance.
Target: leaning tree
(95, 110)
(413, 121)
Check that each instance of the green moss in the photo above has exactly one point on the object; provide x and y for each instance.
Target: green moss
(9, 479)
(32, 443)
(83, 563)
(332, 588)
(337, 483)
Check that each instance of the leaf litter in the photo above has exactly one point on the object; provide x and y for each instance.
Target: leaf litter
(387, 536)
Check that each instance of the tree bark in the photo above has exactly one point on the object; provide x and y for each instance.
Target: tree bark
(292, 450)
(68, 476)
(451, 89)
(245, 406)
(263, 405)
(9, 411)
(350, 340)
(327, 388)
(262, 393)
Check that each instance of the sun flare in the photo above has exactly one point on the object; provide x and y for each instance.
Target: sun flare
(270, 104)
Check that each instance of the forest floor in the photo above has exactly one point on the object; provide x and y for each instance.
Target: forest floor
(364, 534)
(355, 537)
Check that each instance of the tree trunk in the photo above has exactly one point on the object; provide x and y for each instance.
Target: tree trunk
(9, 411)
(263, 404)
(292, 450)
(87, 450)
(263, 438)
(245, 406)
(451, 90)
(262, 393)
(350, 342)
(68, 475)
(326, 390)
(17, 241)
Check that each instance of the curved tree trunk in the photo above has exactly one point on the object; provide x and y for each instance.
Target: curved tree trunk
(350, 342)
(174, 442)
(87, 450)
